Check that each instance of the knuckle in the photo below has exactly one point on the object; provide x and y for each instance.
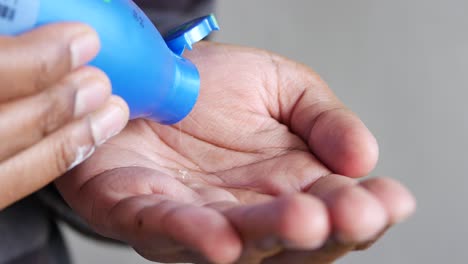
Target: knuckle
(57, 107)
(64, 155)
(46, 71)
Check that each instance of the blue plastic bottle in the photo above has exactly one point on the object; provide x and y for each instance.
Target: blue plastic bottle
(156, 82)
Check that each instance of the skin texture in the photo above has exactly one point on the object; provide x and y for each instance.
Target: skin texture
(53, 111)
(253, 175)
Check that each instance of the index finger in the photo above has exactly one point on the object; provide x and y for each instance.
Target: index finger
(33, 61)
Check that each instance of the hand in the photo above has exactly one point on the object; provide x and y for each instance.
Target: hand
(251, 175)
(53, 111)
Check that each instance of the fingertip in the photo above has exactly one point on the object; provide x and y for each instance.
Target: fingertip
(397, 200)
(226, 254)
(357, 215)
(359, 153)
(344, 143)
(303, 223)
(122, 104)
(225, 249)
(211, 234)
(109, 121)
(93, 90)
(224, 246)
(84, 47)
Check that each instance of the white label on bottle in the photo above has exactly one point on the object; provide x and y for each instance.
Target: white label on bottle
(17, 16)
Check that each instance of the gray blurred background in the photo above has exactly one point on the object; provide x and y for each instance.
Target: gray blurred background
(401, 65)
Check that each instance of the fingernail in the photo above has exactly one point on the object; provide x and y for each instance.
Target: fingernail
(92, 93)
(84, 48)
(82, 154)
(107, 123)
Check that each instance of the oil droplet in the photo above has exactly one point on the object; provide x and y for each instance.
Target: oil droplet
(184, 174)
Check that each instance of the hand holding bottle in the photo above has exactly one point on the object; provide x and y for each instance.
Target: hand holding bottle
(54, 111)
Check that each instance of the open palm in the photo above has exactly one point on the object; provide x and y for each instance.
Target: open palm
(250, 176)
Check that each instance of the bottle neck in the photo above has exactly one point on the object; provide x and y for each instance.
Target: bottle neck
(184, 93)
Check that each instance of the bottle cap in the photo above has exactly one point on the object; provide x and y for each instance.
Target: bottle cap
(184, 36)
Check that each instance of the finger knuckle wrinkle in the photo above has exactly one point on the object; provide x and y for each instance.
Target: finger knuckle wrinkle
(58, 108)
(64, 156)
